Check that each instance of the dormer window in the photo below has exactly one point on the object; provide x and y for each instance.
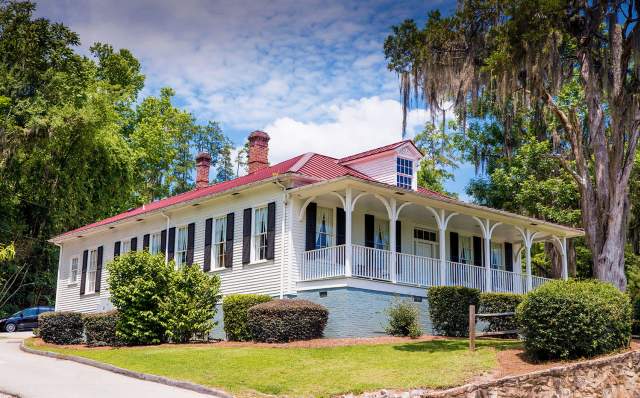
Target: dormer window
(404, 169)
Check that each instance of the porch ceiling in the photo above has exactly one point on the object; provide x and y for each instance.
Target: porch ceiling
(464, 221)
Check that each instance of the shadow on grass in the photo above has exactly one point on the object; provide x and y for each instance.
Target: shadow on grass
(456, 345)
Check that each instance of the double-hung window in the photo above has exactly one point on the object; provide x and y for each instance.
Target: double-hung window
(181, 247)
(156, 241)
(126, 246)
(464, 249)
(73, 278)
(92, 268)
(260, 233)
(404, 173)
(219, 240)
(381, 234)
(496, 255)
(324, 227)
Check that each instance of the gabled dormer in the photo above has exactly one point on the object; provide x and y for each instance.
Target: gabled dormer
(395, 164)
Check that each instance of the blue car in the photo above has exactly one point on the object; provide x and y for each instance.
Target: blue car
(26, 319)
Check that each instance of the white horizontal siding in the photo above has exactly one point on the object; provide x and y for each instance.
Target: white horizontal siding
(253, 278)
(380, 168)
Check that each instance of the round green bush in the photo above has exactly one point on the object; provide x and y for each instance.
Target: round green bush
(574, 319)
(404, 319)
(234, 312)
(100, 328)
(61, 327)
(449, 309)
(281, 321)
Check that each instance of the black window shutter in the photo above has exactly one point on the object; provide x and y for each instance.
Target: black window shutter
(145, 242)
(191, 238)
(271, 231)
(477, 251)
(398, 236)
(453, 247)
(85, 256)
(99, 268)
(310, 231)
(341, 226)
(369, 240)
(208, 231)
(246, 236)
(163, 241)
(228, 254)
(171, 246)
(134, 244)
(116, 249)
(508, 256)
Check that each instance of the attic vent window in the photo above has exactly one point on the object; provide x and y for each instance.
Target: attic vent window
(404, 169)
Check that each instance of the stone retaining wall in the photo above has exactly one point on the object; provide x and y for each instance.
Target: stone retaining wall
(616, 376)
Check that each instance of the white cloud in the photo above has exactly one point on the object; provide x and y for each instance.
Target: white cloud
(352, 127)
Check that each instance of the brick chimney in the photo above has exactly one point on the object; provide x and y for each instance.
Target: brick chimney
(203, 163)
(258, 151)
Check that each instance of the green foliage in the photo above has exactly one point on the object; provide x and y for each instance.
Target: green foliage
(440, 156)
(100, 329)
(281, 321)
(492, 303)
(404, 319)
(574, 319)
(234, 310)
(191, 304)
(449, 309)
(139, 283)
(77, 143)
(636, 316)
(61, 327)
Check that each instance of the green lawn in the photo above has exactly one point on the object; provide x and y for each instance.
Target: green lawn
(305, 372)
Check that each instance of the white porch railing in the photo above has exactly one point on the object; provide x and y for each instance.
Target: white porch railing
(370, 263)
(328, 262)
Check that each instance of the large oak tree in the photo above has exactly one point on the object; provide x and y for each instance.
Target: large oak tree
(530, 54)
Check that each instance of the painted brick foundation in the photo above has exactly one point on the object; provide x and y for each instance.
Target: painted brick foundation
(356, 312)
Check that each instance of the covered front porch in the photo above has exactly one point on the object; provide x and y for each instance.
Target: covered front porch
(374, 231)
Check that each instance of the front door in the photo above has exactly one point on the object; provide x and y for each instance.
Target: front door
(425, 249)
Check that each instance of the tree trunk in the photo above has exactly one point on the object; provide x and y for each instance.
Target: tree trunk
(572, 263)
(555, 258)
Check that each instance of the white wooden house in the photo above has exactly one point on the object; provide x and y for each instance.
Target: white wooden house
(350, 233)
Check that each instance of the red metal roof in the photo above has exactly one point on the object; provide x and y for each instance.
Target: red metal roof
(312, 164)
(376, 151)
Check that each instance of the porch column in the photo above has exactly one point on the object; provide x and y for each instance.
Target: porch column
(392, 240)
(487, 231)
(517, 267)
(442, 220)
(565, 254)
(347, 244)
(442, 246)
(527, 240)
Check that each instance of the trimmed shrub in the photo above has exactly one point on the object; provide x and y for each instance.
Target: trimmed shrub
(574, 319)
(491, 303)
(449, 309)
(61, 327)
(281, 321)
(100, 329)
(636, 316)
(234, 310)
(139, 282)
(404, 319)
(191, 305)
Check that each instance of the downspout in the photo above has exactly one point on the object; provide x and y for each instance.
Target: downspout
(285, 201)
(58, 278)
(166, 243)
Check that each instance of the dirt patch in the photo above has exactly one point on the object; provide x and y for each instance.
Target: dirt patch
(316, 343)
(514, 362)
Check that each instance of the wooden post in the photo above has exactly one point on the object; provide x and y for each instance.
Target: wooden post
(472, 328)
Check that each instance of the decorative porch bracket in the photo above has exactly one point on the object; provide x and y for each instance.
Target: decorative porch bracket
(442, 220)
(527, 238)
(487, 232)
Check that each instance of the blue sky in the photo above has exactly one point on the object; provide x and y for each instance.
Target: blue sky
(310, 73)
